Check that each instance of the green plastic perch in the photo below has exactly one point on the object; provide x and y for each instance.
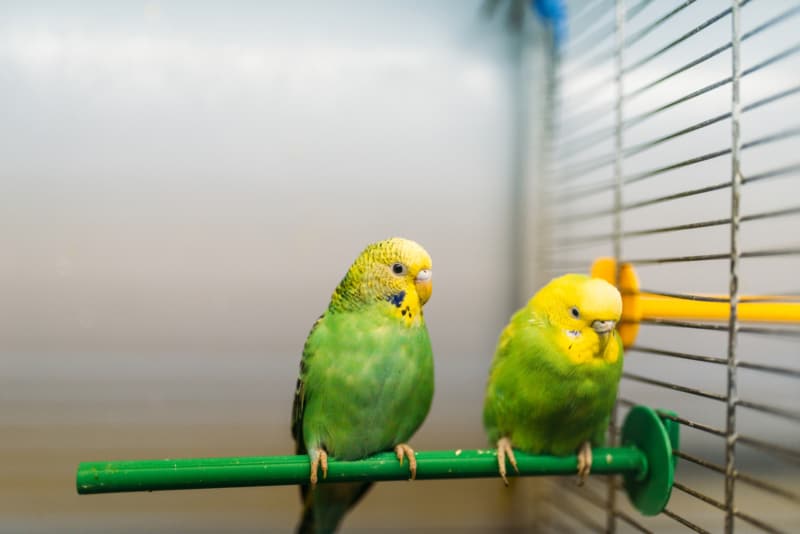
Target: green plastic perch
(645, 460)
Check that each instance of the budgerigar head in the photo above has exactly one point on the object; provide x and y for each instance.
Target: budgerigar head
(579, 305)
(397, 271)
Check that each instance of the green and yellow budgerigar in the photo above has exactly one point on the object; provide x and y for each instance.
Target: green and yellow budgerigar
(366, 377)
(554, 378)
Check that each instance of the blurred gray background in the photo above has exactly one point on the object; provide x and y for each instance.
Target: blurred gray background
(182, 186)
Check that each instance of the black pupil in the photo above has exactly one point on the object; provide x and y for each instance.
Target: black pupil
(574, 312)
(397, 268)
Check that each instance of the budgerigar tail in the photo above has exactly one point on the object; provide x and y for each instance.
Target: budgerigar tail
(325, 507)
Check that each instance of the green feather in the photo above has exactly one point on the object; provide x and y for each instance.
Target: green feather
(366, 377)
(538, 396)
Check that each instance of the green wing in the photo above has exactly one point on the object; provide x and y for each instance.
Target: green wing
(542, 401)
(299, 395)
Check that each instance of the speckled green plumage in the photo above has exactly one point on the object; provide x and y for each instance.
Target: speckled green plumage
(553, 381)
(366, 377)
(368, 382)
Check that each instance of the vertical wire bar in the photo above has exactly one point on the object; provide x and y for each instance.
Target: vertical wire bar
(619, 37)
(733, 322)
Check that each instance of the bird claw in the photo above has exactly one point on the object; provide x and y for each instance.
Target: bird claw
(320, 459)
(584, 462)
(402, 451)
(504, 450)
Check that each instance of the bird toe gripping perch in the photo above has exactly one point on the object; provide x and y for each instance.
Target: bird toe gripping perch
(644, 459)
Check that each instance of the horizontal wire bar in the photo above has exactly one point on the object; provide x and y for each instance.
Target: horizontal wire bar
(583, 492)
(771, 22)
(756, 522)
(653, 55)
(699, 461)
(572, 65)
(578, 35)
(717, 327)
(676, 196)
(636, 119)
(773, 173)
(579, 170)
(697, 495)
(786, 371)
(680, 227)
(771, 98)
(720, 327)
(708, 122)
(606, 159)
(585, 9)
(767, 486)
(680, 259)
(767, 253)
(587, 117)
(583, 216)
(771, 214)
(600, 34)
(788, 298)
(684, 296)
(570, 147)
(634, 37)
(715, 503)
(584, 95)
(787, 332)
(641, 147)
(684, 163)
(675, 354)
(777, 136)
(780, 56)
(683, 421)
(795, 210)
(675, 228)
(777, 19)
(584, 191)
(632, 522)
(675, 387)
(787, 454)
(771, 410)
(683, 68)
(575, 513)
(635, 10)
(743, 477)
(685, 522)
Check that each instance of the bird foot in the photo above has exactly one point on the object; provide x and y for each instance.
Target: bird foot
(402, 451)
(504, 450)
(320, 459)
(584, 462)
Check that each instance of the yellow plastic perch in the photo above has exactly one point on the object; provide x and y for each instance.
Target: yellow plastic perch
(638, 306)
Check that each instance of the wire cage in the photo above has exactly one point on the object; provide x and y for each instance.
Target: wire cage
(666, 137)
(659, 138)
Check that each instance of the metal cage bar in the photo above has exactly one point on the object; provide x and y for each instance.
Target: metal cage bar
(589, 175)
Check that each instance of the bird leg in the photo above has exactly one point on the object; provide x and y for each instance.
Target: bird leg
(320, 458)
(504, 449)
(404, 450)
(584, 462)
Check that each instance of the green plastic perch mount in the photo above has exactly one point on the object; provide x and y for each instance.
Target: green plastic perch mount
(645, 460)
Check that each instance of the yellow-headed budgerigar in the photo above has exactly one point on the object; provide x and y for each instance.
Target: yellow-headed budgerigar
(366, 376)
(555, 373)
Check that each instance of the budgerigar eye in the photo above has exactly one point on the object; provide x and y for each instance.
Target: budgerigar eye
(574, 312)
(399, 269)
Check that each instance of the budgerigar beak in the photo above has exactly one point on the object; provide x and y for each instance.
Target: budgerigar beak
(424, 285)
(603, 327)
